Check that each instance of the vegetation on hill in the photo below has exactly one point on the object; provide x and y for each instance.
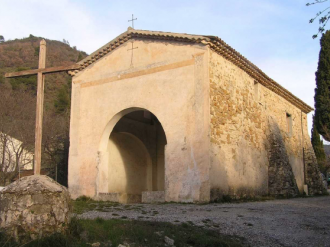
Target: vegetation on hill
(18, 101)
(23, 54)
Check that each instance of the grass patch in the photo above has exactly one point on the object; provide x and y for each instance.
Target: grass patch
(135, 233)
(84, 204)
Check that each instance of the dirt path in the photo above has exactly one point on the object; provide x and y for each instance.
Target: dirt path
(294, 222)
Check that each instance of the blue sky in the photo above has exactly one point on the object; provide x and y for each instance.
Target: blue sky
(273, 34)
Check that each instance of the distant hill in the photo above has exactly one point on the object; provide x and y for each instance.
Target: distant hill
(22, 54)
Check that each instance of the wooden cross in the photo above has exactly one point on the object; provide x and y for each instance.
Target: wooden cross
(41, 71)
(132, 21)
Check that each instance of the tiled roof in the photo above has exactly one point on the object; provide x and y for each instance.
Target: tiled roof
(215, 43)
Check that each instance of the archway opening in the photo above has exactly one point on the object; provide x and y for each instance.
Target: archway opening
(136, 161)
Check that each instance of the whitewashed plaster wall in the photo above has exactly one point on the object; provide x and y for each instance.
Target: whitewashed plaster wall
(168, 79)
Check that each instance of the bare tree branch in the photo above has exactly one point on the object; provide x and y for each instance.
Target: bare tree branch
(323, 17)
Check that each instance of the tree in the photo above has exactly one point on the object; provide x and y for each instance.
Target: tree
(2, 39)
(80, 57)
(322, 90)
(62, 101)
(323, 16)
(17, 122)
(16, 132)
(66, 42)
(55, 145)
(319, 150)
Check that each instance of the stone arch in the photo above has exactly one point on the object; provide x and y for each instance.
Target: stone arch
(111, 124)
(131, 156)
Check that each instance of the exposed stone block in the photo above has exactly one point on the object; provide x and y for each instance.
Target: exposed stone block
(33, 207)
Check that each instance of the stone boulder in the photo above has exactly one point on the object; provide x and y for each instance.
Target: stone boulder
(34, 207)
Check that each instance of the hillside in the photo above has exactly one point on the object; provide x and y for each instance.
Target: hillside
(22, 54)
(18, 106)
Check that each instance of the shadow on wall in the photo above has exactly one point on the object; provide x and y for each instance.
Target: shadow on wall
(281, 180)
(218, 176)
(238, 173)
(129, 165)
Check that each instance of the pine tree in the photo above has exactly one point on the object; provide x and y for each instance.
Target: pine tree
(318, 149)
(322, 90)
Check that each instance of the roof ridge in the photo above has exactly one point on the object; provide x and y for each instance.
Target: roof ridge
(215, 43)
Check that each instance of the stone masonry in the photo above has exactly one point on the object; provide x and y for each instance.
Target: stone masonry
(33, 207)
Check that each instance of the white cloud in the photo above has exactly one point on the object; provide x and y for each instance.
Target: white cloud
(60, 19)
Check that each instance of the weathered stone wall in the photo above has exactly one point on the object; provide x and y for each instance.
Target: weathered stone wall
(238, 157)
(256, 136)
(281, 180)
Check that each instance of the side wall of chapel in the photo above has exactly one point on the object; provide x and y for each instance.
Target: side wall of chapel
(259, 140)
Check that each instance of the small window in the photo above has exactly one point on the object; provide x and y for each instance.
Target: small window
(256, 90)
(289, 123)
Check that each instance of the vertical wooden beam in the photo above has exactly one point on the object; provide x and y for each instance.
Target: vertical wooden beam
(40, 106)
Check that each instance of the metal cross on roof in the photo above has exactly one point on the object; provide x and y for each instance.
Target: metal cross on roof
(132, 20)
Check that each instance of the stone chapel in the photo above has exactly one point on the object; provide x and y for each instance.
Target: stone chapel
(159, 116)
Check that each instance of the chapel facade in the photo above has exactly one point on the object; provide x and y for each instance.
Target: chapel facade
(159, 116)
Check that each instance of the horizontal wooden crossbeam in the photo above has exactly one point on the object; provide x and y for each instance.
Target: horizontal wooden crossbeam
(44, 71)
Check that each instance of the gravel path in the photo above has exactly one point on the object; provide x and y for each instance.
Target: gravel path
(294, 222)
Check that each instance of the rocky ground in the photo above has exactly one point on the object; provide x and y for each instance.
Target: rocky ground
(293, 222)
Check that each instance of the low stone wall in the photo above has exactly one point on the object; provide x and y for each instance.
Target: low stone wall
(153, 196)
(119, 197)
(33, 207)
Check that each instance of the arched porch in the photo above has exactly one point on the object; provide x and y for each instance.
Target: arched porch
(132, 158)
